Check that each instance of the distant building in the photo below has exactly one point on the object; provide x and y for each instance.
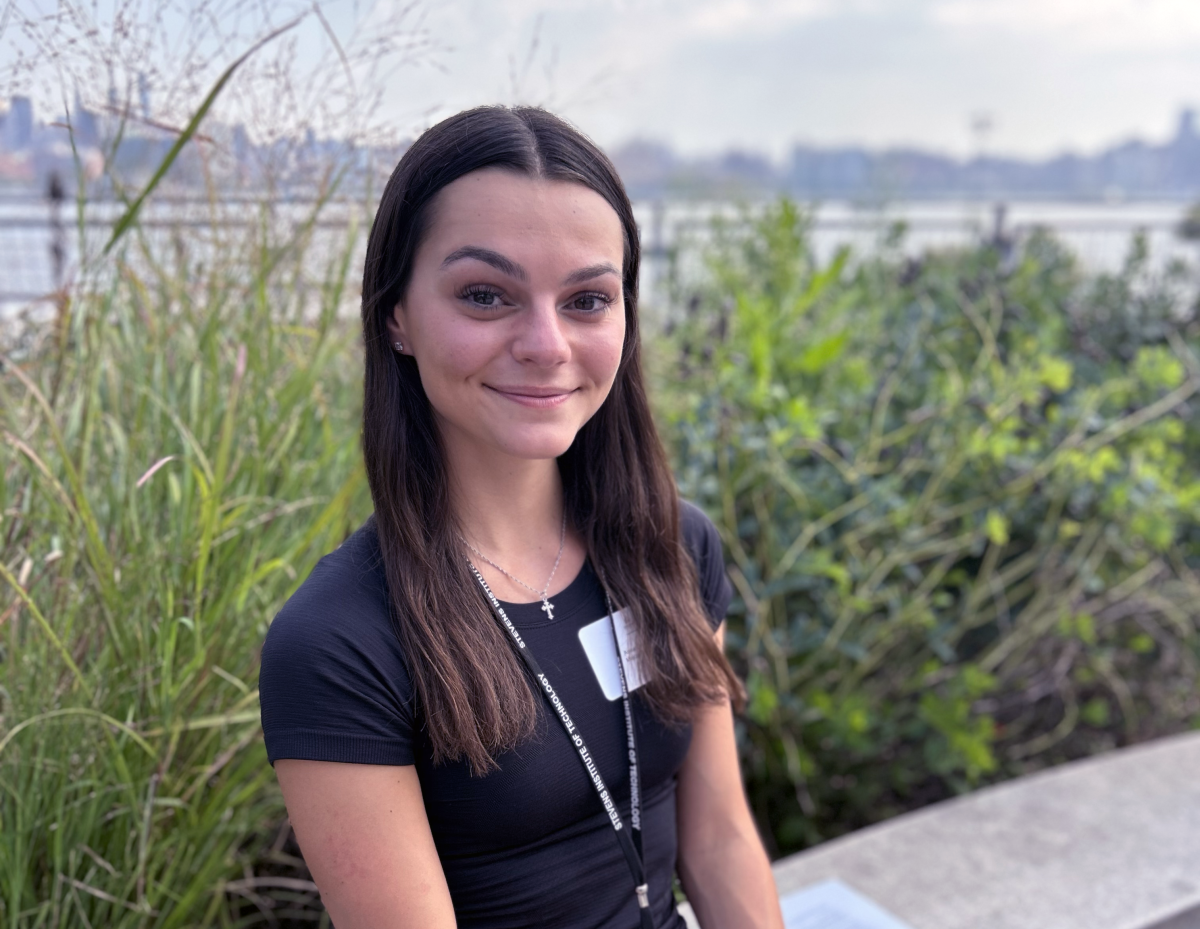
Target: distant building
(1131, 169)
(144, 94)
(84, 124)
(830, 172)
(299, 166)
(33, 153)
(17, 133)
(644, 165)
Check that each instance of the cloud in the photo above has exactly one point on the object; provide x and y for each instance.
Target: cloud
(674, 20)
(759, 74)
(1082, 25)
(725, 17)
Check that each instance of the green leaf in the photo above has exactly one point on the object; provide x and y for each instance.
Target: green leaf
(977, 682)
(1056, 374)
(819, 356)
(763, 700)
(996, 526)
(1095, 712)
(1157, 368)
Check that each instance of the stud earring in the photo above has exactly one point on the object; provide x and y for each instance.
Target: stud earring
(399, 346)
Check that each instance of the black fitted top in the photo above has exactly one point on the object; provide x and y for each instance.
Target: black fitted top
(526, 845)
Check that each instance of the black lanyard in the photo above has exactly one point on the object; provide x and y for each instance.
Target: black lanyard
(632, 847)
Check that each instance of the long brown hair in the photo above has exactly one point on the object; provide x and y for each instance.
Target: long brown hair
(620, 495)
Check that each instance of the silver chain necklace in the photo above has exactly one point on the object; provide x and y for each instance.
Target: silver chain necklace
(547, 606)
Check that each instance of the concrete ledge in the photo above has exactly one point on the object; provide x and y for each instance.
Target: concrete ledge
(1188, 920)
(1112, 842)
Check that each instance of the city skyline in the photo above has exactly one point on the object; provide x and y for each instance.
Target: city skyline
(31, 149)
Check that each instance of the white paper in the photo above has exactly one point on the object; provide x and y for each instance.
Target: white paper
(833, 905)
(597, 641)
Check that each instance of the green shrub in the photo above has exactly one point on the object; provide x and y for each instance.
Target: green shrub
(958, 497)
(960, 501)
(175, 455)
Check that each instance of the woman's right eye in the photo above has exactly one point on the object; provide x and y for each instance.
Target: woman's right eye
(487, 299)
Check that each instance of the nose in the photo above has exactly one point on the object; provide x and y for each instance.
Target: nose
(541, 338)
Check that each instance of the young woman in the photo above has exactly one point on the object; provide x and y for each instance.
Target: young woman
(457, 741)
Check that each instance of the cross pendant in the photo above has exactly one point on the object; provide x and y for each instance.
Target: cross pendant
(548, 608)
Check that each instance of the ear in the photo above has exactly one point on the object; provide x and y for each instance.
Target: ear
(396, 329)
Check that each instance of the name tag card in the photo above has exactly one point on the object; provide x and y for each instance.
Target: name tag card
(833, 905)
(597, 641)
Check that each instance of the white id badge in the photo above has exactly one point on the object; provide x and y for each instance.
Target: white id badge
(597, 641)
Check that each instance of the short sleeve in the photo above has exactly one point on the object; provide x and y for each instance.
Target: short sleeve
(333, 684)
(703, 542)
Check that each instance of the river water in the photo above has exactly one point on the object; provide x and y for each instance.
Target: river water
(1099, 234)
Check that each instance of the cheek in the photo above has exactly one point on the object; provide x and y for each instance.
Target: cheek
(452, 356)
(449, 348)
(445, 363)
(606, 353)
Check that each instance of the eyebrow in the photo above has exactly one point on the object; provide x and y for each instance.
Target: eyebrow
(591, 271)
(512, 269)
(488, 257)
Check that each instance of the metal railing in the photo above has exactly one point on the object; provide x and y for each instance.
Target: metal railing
(39, 237)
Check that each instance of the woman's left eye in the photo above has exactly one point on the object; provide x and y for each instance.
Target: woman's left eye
(483, 298)
(589, 303)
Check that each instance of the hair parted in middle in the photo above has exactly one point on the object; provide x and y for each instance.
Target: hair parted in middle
(620, 495)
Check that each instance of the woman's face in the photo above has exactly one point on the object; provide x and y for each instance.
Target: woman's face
(514, 312)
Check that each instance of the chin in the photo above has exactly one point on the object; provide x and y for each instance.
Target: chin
(539, 452)
(538, 447)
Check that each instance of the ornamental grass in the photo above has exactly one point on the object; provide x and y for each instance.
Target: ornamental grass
(958, 492)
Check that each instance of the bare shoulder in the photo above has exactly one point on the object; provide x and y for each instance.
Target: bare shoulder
(366, 839)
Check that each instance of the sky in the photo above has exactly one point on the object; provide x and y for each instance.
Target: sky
(703, 76)
(710, 75)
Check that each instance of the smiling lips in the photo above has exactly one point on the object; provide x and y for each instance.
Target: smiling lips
(539, 398)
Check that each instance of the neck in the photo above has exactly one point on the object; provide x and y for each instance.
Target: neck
(510, 508)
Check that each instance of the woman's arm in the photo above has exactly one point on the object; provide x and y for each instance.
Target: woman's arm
(366, 839)
(722, 863)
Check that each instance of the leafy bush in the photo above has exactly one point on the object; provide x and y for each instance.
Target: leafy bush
(957, 495)
(960, 500)
(176, 454)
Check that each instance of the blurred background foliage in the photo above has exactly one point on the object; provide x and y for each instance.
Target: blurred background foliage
(957, 493)
(960, 500)
(177, 452)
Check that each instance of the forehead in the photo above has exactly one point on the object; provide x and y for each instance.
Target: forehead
(510, 212)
